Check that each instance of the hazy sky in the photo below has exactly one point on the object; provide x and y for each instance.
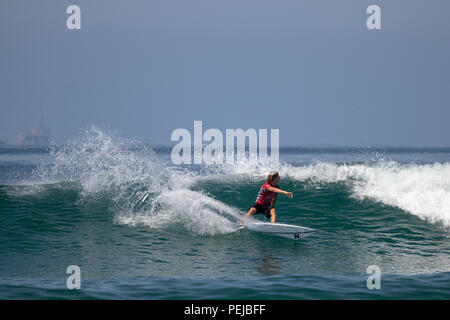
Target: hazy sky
(312, 69)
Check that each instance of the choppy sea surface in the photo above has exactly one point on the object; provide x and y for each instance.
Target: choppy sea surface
(140, 227)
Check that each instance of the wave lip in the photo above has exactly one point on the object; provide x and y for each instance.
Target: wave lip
(422, 190)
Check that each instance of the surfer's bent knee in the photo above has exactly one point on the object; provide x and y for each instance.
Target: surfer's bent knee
(251, 212)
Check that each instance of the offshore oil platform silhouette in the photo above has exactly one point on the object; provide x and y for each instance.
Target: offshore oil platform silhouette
(39, 136)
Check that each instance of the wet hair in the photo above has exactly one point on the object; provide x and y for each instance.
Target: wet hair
(272, 175)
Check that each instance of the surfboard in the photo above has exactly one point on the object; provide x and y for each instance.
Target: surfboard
(289, 231)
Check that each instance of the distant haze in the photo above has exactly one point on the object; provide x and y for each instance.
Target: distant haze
(312, 69)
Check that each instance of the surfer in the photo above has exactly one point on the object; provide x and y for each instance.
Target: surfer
(267, 195)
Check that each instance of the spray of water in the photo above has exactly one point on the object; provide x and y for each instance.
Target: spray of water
(141, 189)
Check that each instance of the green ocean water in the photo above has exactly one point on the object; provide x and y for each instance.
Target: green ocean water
(141, 228)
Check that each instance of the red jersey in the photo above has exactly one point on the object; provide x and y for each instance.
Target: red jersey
(265, 196)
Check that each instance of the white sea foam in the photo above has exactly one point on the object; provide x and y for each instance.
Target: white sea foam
(142, 189)
(423, 190)
(193, 210)
(420, 189)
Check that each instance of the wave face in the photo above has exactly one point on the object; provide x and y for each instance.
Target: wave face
(117, 208)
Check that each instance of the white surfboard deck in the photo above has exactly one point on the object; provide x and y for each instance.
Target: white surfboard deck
(280, 229)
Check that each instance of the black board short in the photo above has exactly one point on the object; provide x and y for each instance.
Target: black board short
(262, 209)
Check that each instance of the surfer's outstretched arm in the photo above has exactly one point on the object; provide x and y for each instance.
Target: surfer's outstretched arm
(289, 194)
